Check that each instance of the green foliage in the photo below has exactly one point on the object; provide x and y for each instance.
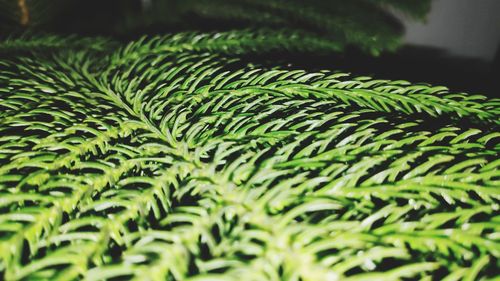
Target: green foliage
(366, 24)
(171, 158)
(361, 23)
(52, 43)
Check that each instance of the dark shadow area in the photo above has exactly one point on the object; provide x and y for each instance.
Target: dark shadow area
(429, 65)
(417, 64)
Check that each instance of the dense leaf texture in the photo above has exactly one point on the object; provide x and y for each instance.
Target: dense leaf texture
(171, 158)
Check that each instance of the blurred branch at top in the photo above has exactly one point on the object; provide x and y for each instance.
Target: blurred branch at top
(367, 24)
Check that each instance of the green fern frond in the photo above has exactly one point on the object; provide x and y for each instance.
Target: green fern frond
(53, 43)
(359, 23)
(171, 158)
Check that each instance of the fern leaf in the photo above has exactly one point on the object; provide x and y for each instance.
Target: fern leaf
(172, 158)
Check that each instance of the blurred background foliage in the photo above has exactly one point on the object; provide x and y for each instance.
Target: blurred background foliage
(366, 24)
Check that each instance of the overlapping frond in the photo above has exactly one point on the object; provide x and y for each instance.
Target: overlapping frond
(176, 160)
(52, 43)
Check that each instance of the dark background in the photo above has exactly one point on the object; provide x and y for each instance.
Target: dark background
(457, 46)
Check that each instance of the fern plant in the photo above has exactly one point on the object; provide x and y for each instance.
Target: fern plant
(173, 158)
